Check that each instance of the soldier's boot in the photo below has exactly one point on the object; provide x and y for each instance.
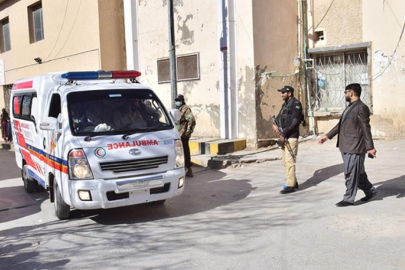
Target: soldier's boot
(189, 172)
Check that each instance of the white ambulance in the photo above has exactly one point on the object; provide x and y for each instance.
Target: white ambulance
(95, 140)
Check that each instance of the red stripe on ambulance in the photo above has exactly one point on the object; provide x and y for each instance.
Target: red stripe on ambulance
(22, 85)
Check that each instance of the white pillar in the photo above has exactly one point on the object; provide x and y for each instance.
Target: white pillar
(227, 68)
(131, 34)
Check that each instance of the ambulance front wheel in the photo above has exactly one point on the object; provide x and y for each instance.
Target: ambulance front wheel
(29, 183)
(62, 210)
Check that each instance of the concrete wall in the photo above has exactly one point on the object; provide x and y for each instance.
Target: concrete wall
(78, 35)
(112, 34)
(196, 31)
(275, 45)
(247, 101)
(341, 21)
(383, 22)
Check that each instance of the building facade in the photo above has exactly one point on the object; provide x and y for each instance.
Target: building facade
(45, 36)
(359, 42)
(232, 56)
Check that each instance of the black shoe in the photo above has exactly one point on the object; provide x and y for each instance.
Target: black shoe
(369, 197)
(343, 204)
(189, 172)
(287, 190)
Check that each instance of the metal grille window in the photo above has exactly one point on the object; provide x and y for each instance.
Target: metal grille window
(333, 72)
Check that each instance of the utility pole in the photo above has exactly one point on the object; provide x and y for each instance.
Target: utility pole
(172, 54)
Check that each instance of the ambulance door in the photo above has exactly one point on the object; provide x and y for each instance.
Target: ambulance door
(51, 141)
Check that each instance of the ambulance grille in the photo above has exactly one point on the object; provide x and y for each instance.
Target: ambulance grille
(134, 164)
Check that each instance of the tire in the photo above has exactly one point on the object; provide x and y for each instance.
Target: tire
(29, 183)
(62, 210)
(158, 202)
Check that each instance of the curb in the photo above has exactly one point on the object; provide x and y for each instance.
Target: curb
(216, 147)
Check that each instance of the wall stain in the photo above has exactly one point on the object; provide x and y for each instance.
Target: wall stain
(187, 36)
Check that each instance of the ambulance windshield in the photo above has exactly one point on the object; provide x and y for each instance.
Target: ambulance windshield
(116, 112)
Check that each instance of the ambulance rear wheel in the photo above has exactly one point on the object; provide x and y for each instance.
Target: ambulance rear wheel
(62, 210)
(29, 183)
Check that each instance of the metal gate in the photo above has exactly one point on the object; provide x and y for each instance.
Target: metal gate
(332, 72)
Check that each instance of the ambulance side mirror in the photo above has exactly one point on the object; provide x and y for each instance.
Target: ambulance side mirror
(175, 114)
(49, 123)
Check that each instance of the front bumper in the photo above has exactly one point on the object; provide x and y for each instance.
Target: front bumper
(127, 191)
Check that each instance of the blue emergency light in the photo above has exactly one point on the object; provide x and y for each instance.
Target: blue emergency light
(101, 74)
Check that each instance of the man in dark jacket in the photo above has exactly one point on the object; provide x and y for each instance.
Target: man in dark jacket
(289, 118)
(354, 141)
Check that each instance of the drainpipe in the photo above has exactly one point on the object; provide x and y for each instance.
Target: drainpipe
(131, 34)
(305, 48)
(227, 64)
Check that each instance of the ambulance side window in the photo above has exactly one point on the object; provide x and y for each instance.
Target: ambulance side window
(26, 107)
(17, 106)
(55, 107)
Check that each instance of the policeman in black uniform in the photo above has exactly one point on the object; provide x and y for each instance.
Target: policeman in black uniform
(289, 118)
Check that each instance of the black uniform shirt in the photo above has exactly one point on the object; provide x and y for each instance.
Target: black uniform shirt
(290, 117)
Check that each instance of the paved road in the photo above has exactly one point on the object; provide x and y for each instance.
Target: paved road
(228, 219)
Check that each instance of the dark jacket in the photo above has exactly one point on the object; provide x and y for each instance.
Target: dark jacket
(354, 131)
(290, 117)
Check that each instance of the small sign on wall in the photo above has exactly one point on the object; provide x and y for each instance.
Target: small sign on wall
(2, 77)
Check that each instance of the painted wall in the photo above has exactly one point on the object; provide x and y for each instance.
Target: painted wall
(247, 101)
(383, 22)
(275, 46)
(341, 21)
(196, 31)
(72, 39)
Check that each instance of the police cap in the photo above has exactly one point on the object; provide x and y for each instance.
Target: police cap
(286, 88)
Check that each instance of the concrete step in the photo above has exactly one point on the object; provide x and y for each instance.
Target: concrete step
(215, 146)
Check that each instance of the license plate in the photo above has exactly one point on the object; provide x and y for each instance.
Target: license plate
(141, 183)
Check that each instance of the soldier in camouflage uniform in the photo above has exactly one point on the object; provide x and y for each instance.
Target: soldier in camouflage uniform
(185, 127)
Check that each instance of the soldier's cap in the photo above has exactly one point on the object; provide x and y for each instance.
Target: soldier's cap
(286, 88)
(179, 97)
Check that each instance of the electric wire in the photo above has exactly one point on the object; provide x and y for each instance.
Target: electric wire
(60, 30)
(71, 29)
(323, 16)
(392, 57)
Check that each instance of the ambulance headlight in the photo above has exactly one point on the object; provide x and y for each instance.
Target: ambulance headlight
(179, 154)
(78, 166)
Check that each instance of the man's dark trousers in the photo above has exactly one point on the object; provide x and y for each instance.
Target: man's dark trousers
(355, 176)
(186, 148)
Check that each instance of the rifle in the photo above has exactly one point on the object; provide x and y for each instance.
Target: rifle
(286, 143)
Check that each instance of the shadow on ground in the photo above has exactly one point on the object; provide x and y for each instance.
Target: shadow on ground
(321, 175)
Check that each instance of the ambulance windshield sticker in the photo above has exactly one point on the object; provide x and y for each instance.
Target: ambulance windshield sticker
(115, 95)
(100, 152)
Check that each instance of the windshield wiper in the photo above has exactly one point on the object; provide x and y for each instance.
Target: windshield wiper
(88, 137)
(126, 135)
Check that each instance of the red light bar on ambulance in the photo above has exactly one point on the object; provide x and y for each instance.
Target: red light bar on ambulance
(101, 74)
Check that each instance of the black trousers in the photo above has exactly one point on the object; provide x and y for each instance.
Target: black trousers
(186, 149)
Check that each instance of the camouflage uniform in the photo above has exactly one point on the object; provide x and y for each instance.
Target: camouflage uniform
(186, 124)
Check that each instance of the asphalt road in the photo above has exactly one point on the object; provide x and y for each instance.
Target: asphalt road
(228, 219)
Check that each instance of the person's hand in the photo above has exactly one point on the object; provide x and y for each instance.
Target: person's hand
(276, 129)
(323, 139)
(281, 139)
(372, 152)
